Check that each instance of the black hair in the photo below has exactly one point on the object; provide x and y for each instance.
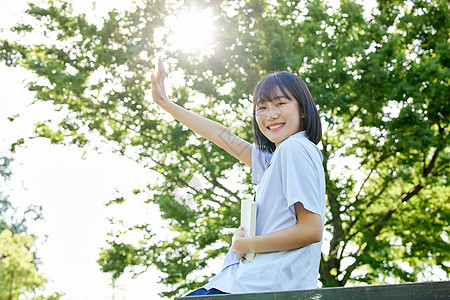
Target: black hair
(293, 88)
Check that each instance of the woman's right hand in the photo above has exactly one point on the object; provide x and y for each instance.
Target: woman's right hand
(158, 89)
(211, 130)
(238, 236)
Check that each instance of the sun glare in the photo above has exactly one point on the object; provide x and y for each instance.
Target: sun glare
(192, 31)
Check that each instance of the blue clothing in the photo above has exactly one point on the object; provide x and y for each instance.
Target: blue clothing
(294, 173)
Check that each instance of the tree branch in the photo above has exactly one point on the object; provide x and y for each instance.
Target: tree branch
(213, 180)
(427, 169)
(357, 218)
(334, 209)
(354, 265)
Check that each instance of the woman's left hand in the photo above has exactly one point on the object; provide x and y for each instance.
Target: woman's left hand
(238, 236)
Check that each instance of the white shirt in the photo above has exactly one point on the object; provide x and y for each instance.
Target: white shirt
(294, 173)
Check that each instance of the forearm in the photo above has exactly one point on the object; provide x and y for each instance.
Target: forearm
(287, 239)
(206, 128)
(293, 237)
(211, 130)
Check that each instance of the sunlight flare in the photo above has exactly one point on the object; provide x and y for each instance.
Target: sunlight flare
(192, 31)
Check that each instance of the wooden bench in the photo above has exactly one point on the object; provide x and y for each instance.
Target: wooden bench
(407, 291)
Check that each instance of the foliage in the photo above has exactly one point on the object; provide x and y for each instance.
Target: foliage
(11, 217)
(18, 273)
(381, 84)
(17, 270)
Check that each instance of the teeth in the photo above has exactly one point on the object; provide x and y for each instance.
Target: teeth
(276, 126)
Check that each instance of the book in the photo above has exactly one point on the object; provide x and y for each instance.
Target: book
(248, 221)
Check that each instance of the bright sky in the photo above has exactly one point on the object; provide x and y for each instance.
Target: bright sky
(72, 190)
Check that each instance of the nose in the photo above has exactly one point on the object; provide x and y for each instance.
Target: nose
(272, 113)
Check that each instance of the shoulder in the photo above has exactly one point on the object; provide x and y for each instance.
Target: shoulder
(297, 148)
(296, 145)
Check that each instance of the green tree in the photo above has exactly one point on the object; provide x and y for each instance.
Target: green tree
(381, 84)
(19, 275)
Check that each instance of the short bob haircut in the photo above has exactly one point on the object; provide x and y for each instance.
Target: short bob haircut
(293, 88)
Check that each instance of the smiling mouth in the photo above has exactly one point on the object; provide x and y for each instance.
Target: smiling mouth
(275, 127)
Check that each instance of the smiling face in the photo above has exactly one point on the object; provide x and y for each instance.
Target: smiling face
(278, 118)
(283, 106)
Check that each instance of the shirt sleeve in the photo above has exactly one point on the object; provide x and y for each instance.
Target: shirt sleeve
(299, 176)
(260, 162)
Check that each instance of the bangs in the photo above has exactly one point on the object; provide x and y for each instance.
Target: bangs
(269, 89)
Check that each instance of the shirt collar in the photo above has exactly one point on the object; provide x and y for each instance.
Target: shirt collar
(300, 134)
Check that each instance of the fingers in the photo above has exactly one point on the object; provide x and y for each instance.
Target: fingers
(158, 81)
(240, 255)
(154, 84)
(158, 89)
(161, 74)
(240, 229)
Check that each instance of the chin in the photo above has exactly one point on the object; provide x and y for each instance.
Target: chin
(277, 141)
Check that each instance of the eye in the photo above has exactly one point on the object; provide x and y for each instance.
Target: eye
(261, 108)
(281, 103)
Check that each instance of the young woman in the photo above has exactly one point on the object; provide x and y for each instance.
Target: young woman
(287, 165)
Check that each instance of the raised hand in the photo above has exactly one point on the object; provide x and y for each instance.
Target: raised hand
(211, 130)
(158, 89)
